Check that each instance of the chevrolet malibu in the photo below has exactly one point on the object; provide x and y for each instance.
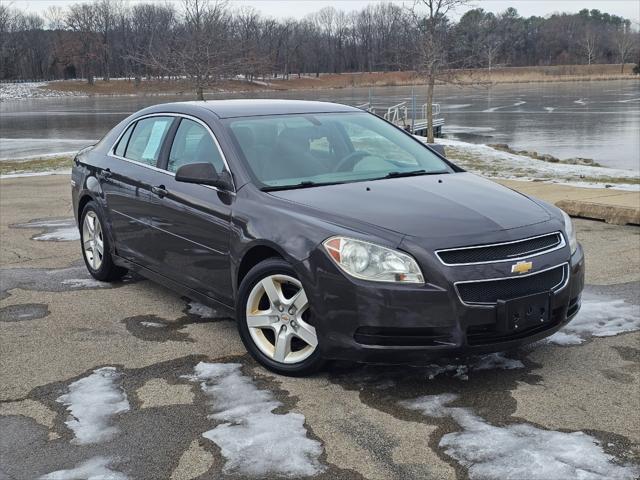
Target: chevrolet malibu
(327, 232)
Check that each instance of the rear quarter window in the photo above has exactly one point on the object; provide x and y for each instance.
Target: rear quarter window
(124, 140)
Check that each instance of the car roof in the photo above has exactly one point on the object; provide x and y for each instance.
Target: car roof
(256, 107)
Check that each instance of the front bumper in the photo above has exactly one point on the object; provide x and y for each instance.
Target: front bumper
(385, 323)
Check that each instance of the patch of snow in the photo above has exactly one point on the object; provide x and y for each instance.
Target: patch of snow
(492, 361)
(493, 109)
(598, 317)
(65, 171)
(58, 230)
(202, 311)
(84, 283)
(549, 109)
(500, 164)
(520, 450)
(629, 100)
(581, 101)
(60, 235)
(18, 91)
(152, 324)
(96, 468)
(466, 129)
(254, 440)
(91, 403)
(456, 106)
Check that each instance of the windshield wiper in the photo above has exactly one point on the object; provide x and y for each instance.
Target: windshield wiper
(305, 184)
(412, 173)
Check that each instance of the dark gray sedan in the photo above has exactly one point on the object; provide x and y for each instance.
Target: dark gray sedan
(326, 231)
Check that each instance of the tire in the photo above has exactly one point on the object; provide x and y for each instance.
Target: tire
(94, 233)
(276, 327)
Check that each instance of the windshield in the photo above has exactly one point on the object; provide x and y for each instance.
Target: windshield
(289, 151)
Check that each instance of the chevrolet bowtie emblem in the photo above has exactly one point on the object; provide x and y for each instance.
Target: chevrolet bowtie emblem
(521, 267)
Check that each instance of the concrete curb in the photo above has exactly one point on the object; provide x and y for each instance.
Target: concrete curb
(614, 214)
(618, 207)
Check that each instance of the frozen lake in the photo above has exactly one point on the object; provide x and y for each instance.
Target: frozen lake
(598, 120)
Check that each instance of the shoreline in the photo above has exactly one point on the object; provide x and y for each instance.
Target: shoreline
(481, 78)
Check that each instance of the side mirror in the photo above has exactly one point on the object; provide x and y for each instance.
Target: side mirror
(203, 174)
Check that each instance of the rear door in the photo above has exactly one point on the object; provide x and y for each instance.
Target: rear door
(127, 185)
(193, 220)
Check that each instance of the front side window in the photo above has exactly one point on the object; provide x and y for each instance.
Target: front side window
(146, 140)
(193, 144)
(306, 149)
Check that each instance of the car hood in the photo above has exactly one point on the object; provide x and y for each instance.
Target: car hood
(458, 204)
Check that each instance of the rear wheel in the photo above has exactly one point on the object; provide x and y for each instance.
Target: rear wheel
(275, 320)
(95, 246)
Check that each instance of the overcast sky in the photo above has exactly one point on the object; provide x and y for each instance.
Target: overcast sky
(299, 8)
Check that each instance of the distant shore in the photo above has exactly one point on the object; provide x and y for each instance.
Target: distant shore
(325, 81)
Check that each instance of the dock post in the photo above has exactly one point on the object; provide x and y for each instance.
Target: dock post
(413, 110)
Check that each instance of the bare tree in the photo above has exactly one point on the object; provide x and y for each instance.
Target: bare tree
(433, 46)
(625, 43)
(589, 44)
(199, 47)
(82, 19)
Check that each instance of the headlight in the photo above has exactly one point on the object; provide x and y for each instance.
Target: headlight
(372, 262)
(570, 231)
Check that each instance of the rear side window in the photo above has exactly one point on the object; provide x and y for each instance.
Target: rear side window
(193, 144)
(146, 140)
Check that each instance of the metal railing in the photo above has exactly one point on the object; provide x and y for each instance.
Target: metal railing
(435, 107)
(396, 113)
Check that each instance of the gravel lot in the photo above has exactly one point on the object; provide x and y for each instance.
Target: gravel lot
(131, 381)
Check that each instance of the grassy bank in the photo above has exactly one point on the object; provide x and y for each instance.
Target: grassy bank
(41, 164)
(556, 73)
(500, 164)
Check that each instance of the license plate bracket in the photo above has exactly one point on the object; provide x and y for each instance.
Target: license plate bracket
(518, 314)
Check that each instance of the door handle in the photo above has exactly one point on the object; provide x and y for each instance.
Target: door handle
(106, 174)
(159, 190)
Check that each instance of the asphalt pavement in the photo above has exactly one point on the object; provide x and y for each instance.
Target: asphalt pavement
(130, 380)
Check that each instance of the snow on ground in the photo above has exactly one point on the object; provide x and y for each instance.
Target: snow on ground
(494, 163)
(64, 229)
(84, 283)
(17, 91)
(521, 450)
(96, 468)
(153, 324)
(43, 173)
(492, 361)
(91, 402)
(254, 440)
(599, 317)
(202, 311)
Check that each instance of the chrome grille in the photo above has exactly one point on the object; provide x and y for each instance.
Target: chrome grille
(502, 252)
(488, 292)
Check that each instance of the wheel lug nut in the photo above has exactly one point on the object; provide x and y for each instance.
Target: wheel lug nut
(281, 308)
(292, 311)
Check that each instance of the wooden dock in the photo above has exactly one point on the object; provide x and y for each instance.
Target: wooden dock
(413, 119)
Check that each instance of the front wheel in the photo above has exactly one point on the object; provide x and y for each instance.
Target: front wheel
(275, 321)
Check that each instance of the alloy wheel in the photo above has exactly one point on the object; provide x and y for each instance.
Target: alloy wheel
(276, 313)
(92, 240)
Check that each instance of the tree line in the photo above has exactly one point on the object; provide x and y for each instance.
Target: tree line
(207, 40)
